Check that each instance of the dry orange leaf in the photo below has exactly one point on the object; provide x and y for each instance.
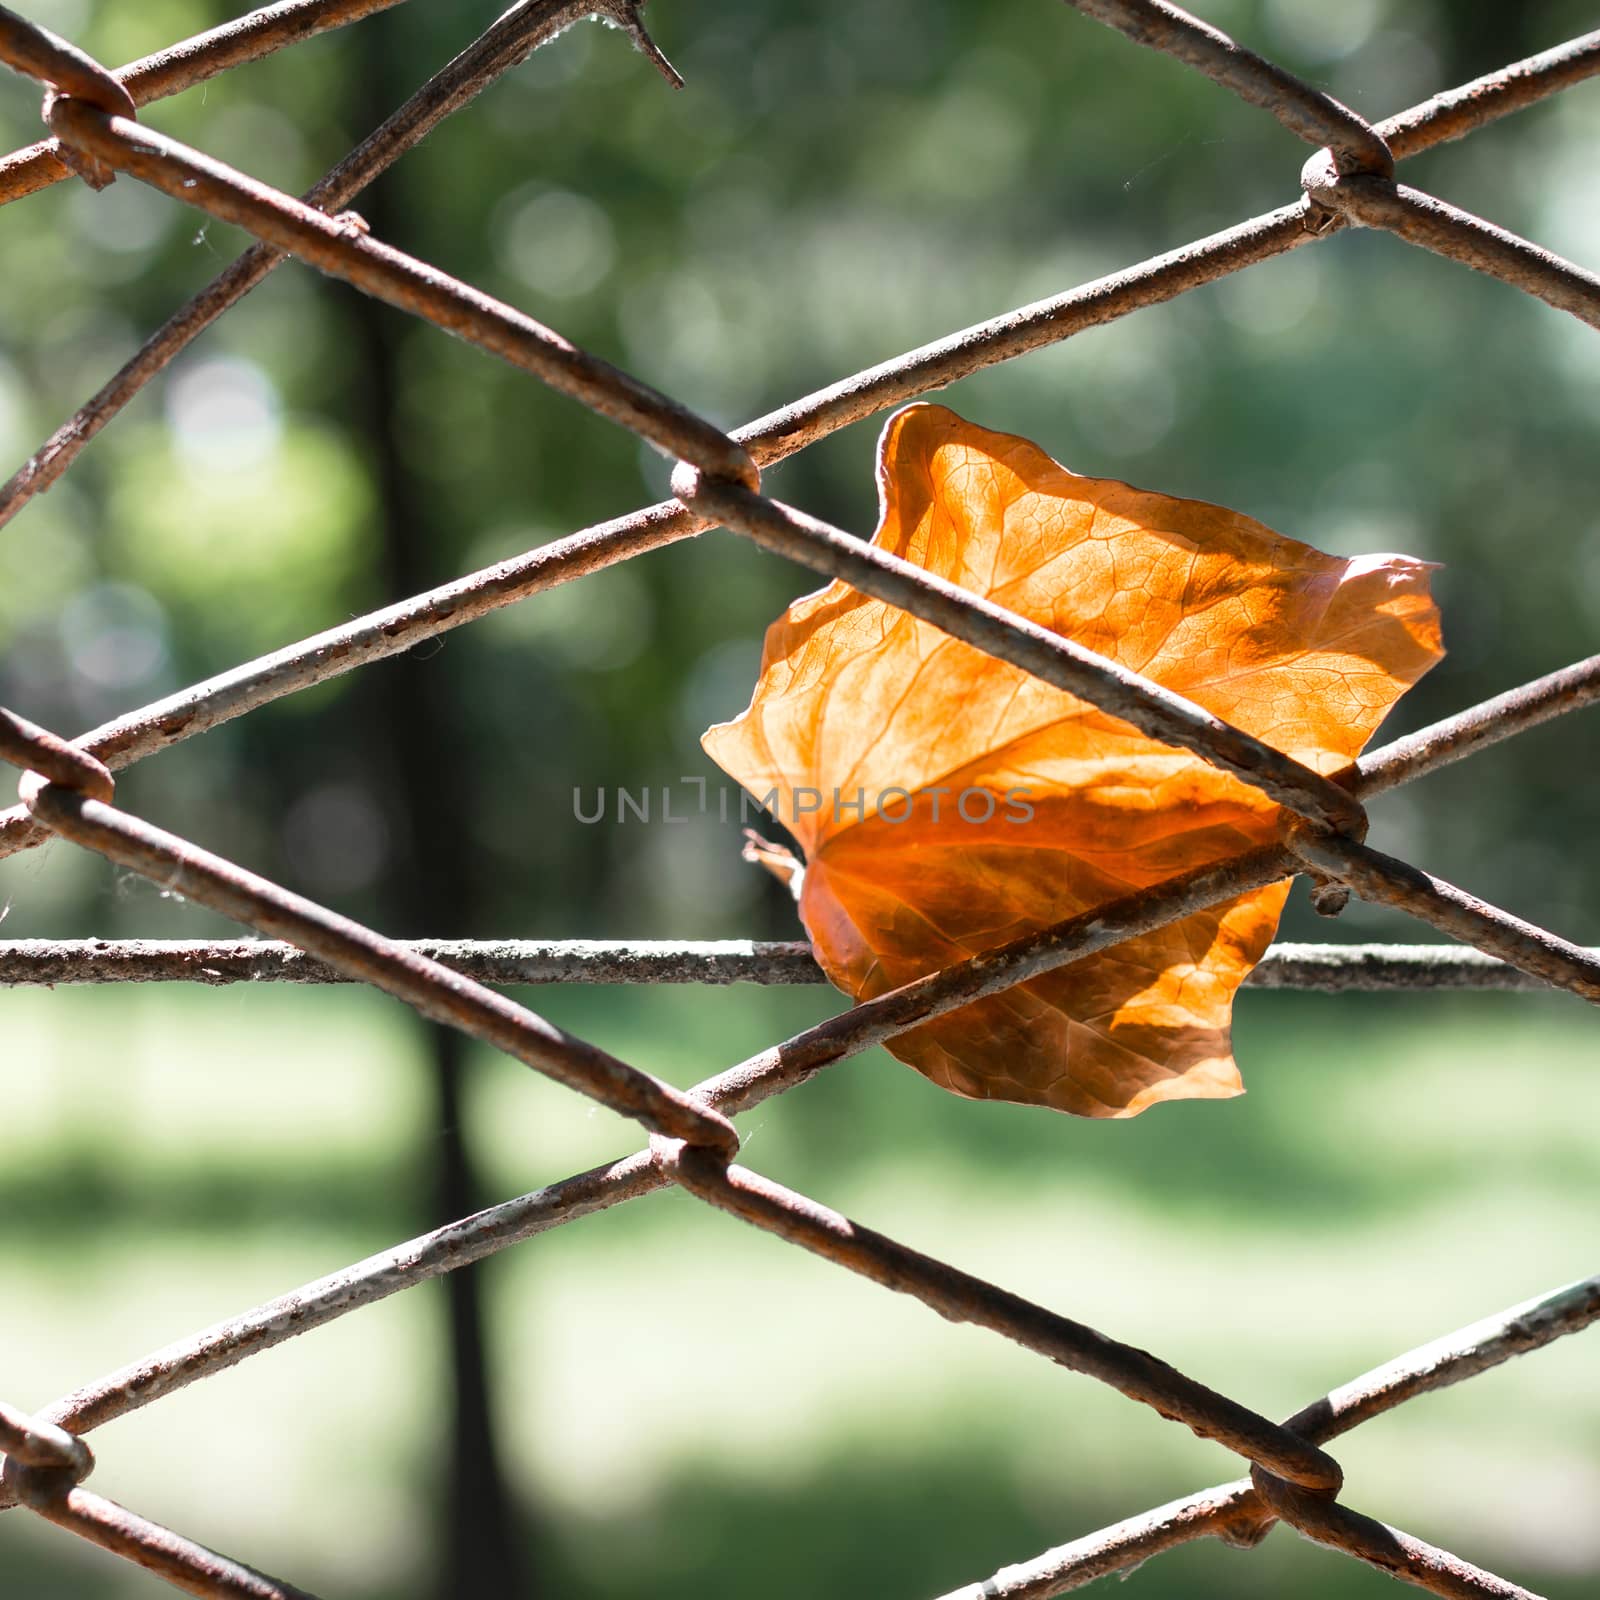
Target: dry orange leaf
(948, 802)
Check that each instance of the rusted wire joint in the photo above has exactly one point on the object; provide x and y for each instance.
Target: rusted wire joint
(1330, 894)
(1320, 1517)
(42, 1461)
(47, 758)
(66, 72)
(1334, 187)
(692, 483)
(1327, 176)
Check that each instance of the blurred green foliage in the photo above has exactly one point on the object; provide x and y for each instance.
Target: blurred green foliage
(840, 181)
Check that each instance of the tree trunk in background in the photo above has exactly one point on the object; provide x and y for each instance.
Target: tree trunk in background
(1483, 35)
(428, 889)
(428, 892)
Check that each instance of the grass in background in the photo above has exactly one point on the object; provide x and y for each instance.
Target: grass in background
(686, 1403)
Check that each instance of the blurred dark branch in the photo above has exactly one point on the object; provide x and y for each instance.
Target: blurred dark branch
(416, 737)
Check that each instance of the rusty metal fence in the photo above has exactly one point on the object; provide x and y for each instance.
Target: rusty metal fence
(68, 788)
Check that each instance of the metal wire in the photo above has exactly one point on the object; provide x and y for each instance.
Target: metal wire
(1307, 112)
(186, 64)
(68, 788)
(49, 963)
(508, 42)
(1233, 1512)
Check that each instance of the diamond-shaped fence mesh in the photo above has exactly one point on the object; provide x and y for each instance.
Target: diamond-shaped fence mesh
(68, 787)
